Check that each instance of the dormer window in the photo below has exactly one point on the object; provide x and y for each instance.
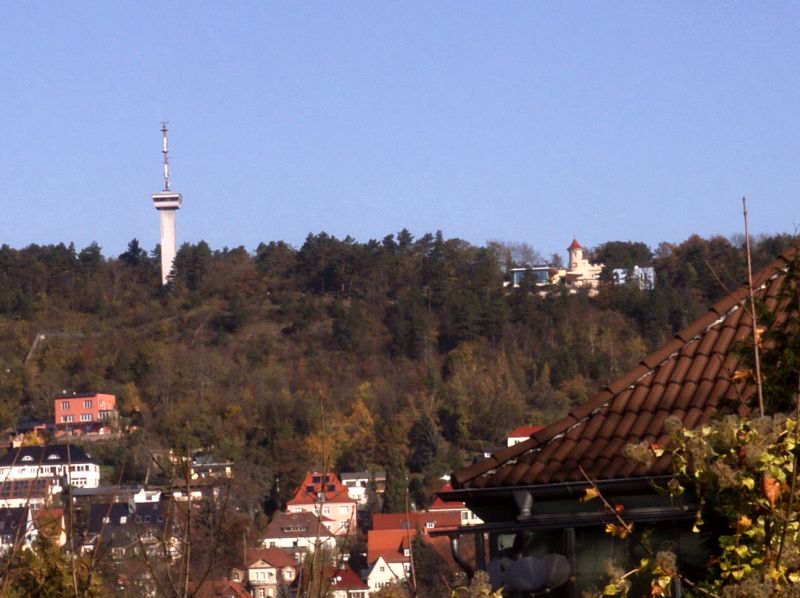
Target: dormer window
(52, 457)
(430, 525)
(27, 458)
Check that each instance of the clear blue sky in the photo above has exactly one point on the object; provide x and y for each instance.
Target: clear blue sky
(515, 121)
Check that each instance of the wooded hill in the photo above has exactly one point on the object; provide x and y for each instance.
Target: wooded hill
(386, 354)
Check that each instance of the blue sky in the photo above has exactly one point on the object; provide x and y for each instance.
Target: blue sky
(516, 121)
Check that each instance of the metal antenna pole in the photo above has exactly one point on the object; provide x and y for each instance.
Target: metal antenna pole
(165, 152)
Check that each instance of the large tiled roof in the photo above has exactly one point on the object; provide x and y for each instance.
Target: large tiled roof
(297, 525)
(55, 454)
(318, 487)
(688, 378)
(275, 557)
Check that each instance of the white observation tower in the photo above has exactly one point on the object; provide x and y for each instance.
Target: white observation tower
(166, 202)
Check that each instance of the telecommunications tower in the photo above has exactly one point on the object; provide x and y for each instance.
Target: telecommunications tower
(167, 202)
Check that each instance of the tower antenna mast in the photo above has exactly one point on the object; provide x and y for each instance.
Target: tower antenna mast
(167, 202)
(165, 152)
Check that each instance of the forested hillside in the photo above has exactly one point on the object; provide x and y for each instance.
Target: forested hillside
(401, 352)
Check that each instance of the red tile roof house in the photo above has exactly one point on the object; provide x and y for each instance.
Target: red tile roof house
(219, 588)
(390, 542)
(325, 495)
(388, 556)
(456, 508)
(85, 414)
(521, 434)
(528, 494)
(345, 583)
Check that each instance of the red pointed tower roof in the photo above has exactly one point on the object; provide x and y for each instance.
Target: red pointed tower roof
(574, 245)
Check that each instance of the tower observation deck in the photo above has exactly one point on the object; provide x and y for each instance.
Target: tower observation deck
(166, 202)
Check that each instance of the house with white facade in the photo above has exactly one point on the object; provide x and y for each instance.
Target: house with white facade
(642, 277)
(35, 493)
(267, 570)
(388, 556)
(297, 533)
(358, 483)
(64, 462)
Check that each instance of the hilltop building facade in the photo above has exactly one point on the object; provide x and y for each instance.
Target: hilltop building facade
(85, 414)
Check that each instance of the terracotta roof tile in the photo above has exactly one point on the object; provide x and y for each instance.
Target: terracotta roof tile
(592, 427)
(697, 327)
(708, 342)
(686, 396)
(564, 451)
(627, 380)
(619, 403)
(724, 305)
(519, 470)
(638, 397)
(580, 449)
(586, 408)
(656, 358)
(625, 425)
(689, 378)
(664, 372)
(503, 476)
(533, 473)
(609, 426)
(643, 420)
(554, 429)
(697, 367)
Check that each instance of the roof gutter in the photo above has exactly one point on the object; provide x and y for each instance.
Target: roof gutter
(576, 520)
(559, 490)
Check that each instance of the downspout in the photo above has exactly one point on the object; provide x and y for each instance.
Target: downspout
(454, 550)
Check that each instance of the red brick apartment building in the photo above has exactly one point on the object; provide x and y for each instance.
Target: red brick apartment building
(81, 414)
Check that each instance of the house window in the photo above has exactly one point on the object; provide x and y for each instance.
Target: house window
(68, 419)
(430, 525)
(65, 405)
(27, 458)
(344, 509)
(326, 510)
(86, 417)
(464, 515)
(87, 404)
